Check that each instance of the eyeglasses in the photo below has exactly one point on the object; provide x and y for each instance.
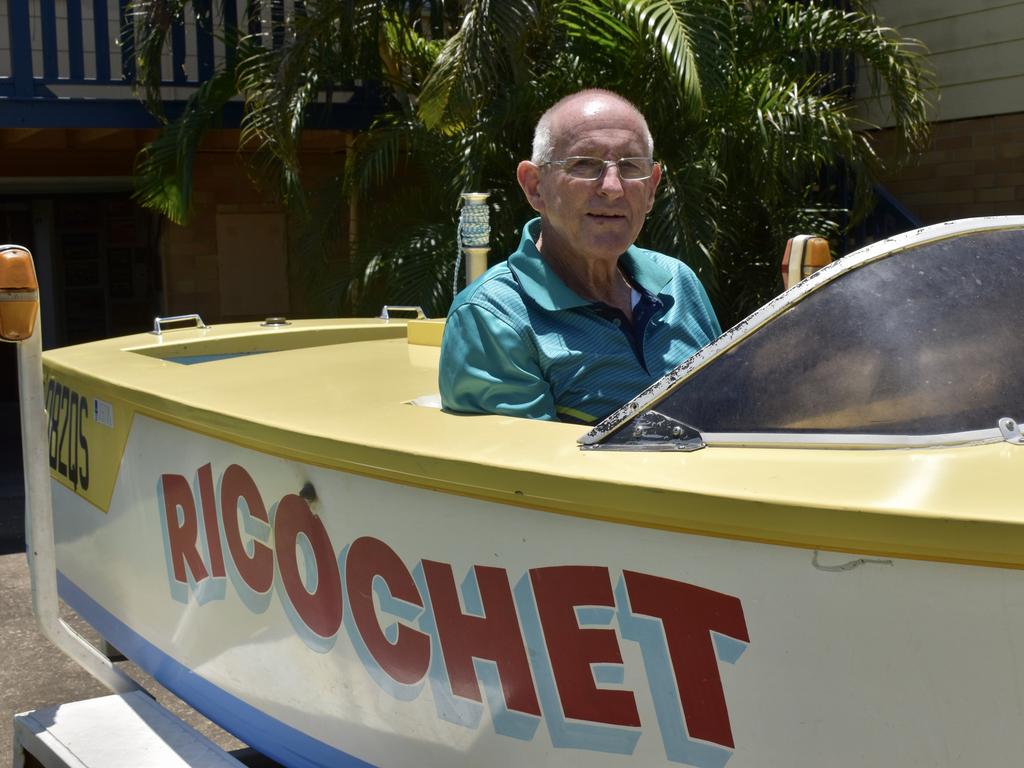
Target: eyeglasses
(593, 168)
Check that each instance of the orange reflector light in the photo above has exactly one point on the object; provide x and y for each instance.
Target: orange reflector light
(19, 294)
(804, 256)
(816, 255)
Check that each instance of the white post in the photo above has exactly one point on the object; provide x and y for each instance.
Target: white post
(41, 551)
(475, 233)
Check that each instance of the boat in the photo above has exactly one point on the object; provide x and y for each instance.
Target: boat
(802, 547)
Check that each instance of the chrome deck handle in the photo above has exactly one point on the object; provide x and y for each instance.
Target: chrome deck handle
(387, 310)
(159, 322)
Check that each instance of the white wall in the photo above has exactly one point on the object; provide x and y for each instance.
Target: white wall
(976, 49)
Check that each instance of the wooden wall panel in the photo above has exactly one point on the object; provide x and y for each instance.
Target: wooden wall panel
(252, 261)
(975, 48)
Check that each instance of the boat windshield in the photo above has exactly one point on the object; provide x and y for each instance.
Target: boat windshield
(923, 341)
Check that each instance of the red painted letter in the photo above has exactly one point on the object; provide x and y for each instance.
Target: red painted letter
(495, 636)
(183, 539)
(321, 609)
(209, 506)
(256, 571)
(558, 591)
(407, 660)
(689, 615)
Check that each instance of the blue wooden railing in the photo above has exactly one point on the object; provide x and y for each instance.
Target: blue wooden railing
(889, 217)
(68, 66)
(86, 82)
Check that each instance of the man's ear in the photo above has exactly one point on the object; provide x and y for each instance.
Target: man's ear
(528, 176)
(655, 180)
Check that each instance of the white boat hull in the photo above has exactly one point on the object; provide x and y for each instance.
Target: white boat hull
(366, 622)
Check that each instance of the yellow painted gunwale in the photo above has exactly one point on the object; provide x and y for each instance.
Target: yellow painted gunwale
(345, 406)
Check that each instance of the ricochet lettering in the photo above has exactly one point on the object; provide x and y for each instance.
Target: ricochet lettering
(538, 645)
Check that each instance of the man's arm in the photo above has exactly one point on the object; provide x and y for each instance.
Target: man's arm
(487, 368)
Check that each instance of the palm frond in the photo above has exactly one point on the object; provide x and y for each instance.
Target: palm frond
(896, 67)
(150, 22)
(748, 101)
(477, 58)
(163, 169)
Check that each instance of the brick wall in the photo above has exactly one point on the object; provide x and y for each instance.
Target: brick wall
(189, 253)
(974, 167)
(191, 256)
(75, 162)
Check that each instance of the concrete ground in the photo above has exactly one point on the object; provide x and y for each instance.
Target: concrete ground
(34, 674)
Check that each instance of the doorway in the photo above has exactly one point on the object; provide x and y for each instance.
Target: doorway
(15, 229)
(97, 264)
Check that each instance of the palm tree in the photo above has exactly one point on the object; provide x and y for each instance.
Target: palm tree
(751, 120)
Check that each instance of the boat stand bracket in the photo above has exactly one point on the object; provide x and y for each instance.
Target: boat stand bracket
(116, 731)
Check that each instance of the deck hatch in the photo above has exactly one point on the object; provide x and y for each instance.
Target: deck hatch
(200, 359)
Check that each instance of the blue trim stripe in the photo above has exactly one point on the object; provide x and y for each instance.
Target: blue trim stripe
(48, 17)
(21, 49)
(204, 38)
(127, 37)
(178, 74)
(283, 743)
(76, 53)
(230, 11)
(101, 39)
(49, 112)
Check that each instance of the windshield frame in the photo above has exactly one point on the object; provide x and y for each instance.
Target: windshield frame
(646, 400)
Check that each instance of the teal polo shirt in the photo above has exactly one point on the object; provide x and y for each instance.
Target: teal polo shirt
(519, 342)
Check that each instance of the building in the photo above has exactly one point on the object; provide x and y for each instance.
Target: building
(70, 129)
(975, 165)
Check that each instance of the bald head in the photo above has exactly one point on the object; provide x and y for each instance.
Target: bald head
(582, 105)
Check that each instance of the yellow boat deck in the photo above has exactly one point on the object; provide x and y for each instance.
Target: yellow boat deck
(338, 394)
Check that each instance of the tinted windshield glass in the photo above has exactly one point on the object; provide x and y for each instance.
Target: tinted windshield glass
(926, 341)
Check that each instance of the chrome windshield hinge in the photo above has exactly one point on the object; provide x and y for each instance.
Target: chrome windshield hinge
(1012, 430)
(651, 431)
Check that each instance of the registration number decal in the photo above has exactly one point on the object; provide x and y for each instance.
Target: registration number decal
(69, 447)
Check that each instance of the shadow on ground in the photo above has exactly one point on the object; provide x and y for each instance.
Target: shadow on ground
(35, 674)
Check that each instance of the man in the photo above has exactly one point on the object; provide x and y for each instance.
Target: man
(578, 320)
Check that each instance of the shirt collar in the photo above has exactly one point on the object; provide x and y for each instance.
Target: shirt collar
(545, 287)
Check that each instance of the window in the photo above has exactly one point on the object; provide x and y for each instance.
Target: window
(925, 341)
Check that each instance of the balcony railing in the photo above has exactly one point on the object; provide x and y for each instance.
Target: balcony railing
(56, 55)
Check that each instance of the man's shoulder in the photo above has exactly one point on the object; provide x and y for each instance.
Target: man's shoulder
(496, 291)
(665, 272)
(672, 264)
